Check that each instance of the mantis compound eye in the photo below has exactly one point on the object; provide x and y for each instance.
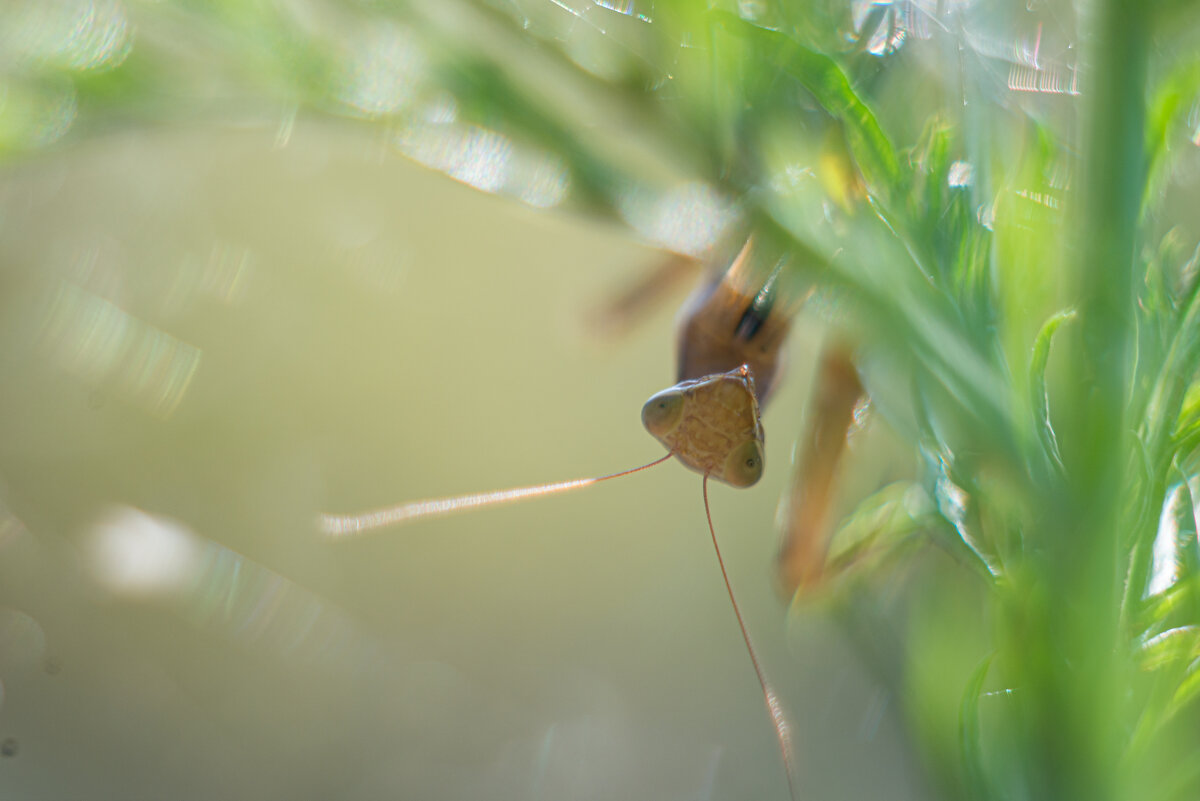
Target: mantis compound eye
(744, 467)
(663, 412)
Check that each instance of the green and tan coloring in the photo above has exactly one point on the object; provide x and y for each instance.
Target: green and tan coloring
(711, 425)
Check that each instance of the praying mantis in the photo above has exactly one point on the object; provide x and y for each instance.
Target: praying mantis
(731, 348)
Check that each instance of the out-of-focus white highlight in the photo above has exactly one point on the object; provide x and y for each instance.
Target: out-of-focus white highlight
(952, 502)
(384, 73)
(76, 35)
(626, 7)
(883, 26)
(961, 174)
(132, 553)
(104, 345)
(1041, 198)
(1053, 79)
(221, 274)
(1177, 528)
(752, 9)
(689, 218)
(487, 160)
(473, 155)
(986, 214)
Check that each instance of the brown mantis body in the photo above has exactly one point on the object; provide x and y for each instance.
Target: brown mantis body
(731, 342)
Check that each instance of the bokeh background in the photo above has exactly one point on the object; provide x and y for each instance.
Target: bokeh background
(266, 259)
(210, 336)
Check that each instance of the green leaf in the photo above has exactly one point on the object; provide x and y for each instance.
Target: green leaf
(1038, 396)
(1166, 415)
(969, 732)
(1169, 105)
(882, 524)
(1189, 688)
(821, 75)
(1171, 601)
(1173, 645)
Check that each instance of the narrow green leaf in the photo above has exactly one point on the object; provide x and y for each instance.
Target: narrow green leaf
(821, 75)
(1178, 643)
(1179, 596)
(1189, 688)
(969, 733)
(1171, 102)
(881, 525)
(1167, 417)
(1039, 397)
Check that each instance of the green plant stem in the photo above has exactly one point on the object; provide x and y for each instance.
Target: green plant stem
(1075, 716)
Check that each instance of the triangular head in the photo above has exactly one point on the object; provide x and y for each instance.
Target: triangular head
(711, 424)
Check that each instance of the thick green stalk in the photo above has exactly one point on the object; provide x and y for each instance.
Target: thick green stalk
(1075, 714)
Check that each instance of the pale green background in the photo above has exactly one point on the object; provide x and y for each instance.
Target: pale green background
(393, 335)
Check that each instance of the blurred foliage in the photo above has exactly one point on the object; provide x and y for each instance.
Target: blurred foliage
(998, 197)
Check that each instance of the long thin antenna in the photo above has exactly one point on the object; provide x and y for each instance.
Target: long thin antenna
(774, 708)
(347, 525)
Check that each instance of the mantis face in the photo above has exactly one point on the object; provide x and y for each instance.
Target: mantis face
(711, 425)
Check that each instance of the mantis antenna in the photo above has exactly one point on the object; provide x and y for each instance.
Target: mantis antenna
(683, 419)
(775, 709)
(349, 525)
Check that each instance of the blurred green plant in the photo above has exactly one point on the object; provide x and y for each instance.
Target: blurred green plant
(997, 197)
